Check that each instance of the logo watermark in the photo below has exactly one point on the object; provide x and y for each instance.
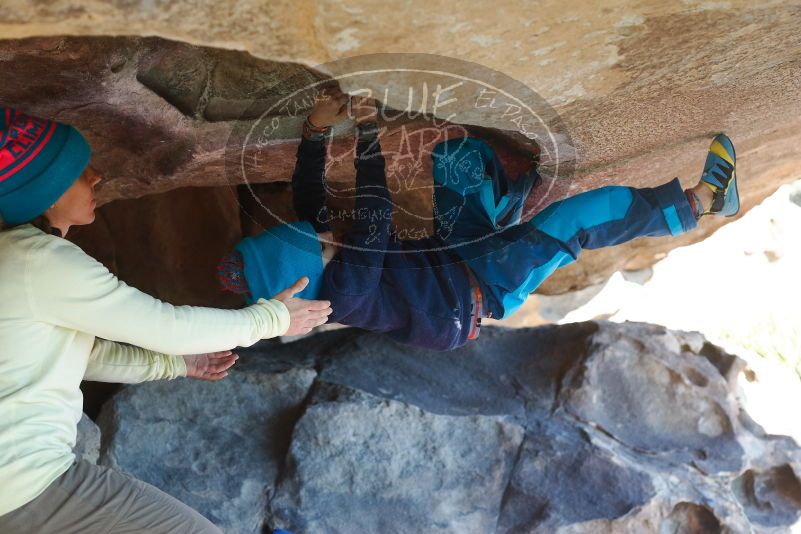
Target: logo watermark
(468, 151)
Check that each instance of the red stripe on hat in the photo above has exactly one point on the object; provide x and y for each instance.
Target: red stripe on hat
(32, 155)
(5, 130)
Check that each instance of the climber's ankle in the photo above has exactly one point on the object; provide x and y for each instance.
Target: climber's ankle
(702, 194)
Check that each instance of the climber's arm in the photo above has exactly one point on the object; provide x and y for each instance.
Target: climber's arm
(110, 361)
(308, 184)
(357, 268)
(72, 290)
(308, 180)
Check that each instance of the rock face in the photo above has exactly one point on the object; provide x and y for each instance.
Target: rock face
(162, 115)
(393, 467)
(586, 428)
(217, 448)
(640, 86)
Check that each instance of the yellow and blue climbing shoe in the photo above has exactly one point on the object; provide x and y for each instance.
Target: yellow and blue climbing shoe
(721, 177)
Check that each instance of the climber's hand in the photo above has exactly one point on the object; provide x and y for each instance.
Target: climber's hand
(330, 107)
(303, 314)
(209, 366)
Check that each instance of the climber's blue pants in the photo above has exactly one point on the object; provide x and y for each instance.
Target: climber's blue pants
(512, 261)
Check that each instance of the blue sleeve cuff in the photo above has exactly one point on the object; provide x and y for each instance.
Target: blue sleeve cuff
(675, 207)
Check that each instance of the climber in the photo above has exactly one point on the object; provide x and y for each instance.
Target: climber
(64, 318)
(482, 262)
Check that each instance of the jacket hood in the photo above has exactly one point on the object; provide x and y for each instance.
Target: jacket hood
(278, 257)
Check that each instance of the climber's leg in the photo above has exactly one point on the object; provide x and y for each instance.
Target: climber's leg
(92, 499)
(308, 184)
(513, 263)
(612, 215)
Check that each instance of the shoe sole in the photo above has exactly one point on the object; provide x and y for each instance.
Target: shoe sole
(736, 192)
(734, 179)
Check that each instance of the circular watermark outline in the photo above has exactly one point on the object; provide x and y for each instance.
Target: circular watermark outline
(558, 148)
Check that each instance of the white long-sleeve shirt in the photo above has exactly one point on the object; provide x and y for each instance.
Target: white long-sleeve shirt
(56, 303)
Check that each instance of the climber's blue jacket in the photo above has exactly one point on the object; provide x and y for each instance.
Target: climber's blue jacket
(414, 291)
(418, 292)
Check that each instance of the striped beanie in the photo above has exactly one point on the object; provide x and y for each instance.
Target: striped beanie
(39, 160)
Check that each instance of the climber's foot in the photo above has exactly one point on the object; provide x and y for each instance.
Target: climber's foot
(717, 188)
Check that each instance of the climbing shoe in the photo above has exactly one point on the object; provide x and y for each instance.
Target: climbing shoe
(721, 177)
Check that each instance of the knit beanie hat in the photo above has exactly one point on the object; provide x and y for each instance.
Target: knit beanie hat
(278, 257)
(39, 160)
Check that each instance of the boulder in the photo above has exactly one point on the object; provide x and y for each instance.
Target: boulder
(646, 393)
(87, 446)
(218, 449)
(162, 115)
(360, 463)
(582, 428)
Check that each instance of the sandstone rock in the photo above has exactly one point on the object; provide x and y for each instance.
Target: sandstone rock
(168, 245)
(650, 395)
(162, 115)
(561, 478)
(639, 105)
(142, 104)
(689, 517)
(584, 428)
(770, 498)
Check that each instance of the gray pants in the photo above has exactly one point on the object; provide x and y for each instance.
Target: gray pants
(93, 499)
